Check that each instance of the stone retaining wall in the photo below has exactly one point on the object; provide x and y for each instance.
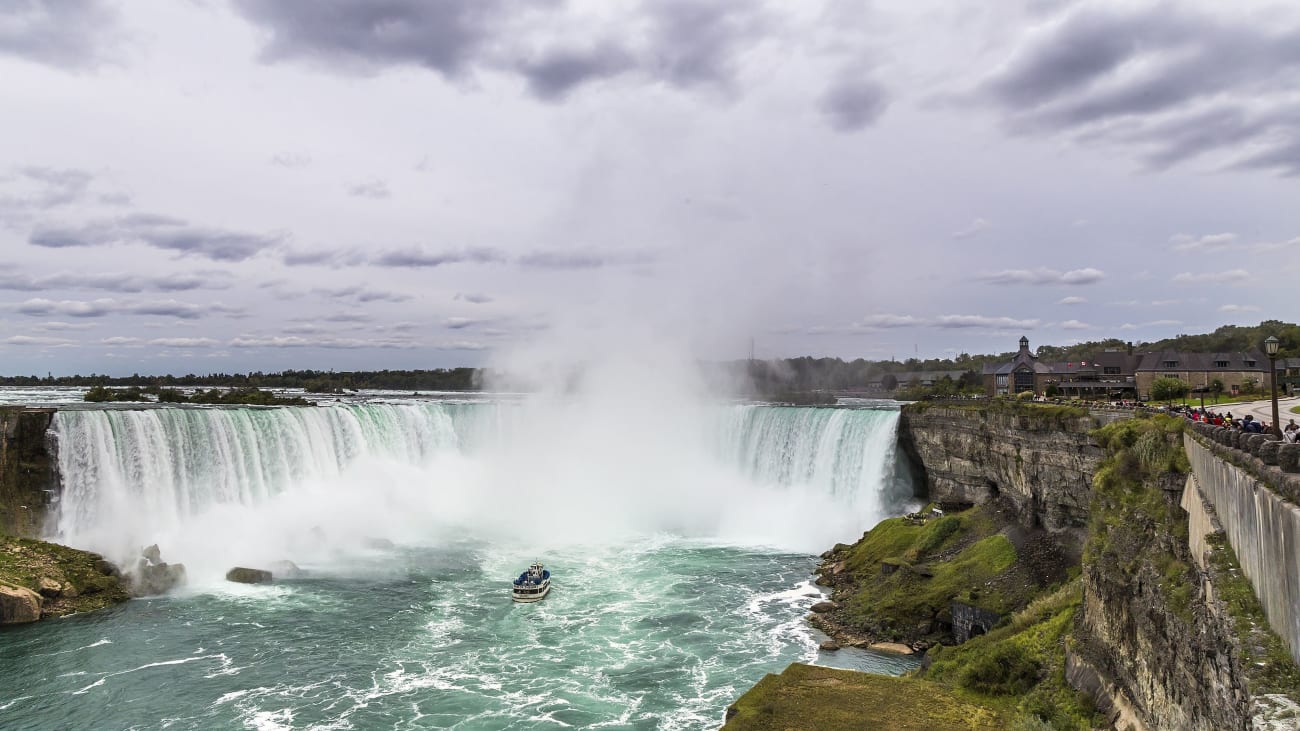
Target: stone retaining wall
(1255, 504)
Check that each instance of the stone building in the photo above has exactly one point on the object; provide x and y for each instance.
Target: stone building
(1122, 374)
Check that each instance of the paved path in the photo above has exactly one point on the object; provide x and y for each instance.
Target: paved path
(1262, 410)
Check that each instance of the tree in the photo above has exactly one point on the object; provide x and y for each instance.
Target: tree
(889, 382)
(1216, 388)
(1168, 389)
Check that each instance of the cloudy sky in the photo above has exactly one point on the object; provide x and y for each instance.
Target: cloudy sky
(230, 185)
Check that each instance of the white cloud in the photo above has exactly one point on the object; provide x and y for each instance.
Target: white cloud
(28, 340)
(1238, 308)
(184, 342)
(1072, 300)
(1043, 275)
(1231, 276)
(1076, 325)
(1208, 242)
(974, 228)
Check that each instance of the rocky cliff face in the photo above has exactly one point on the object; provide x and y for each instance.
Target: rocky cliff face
(1151, 643)
(1041, 460)
(26, 469)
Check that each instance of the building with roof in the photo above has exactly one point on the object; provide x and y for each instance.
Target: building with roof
(1121, 374)
(1023, 373)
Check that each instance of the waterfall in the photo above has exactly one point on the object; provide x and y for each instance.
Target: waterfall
(266, 483)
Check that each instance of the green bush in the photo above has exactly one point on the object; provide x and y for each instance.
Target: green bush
(1005, 670)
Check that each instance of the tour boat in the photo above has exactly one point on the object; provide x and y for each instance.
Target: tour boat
(532, 585)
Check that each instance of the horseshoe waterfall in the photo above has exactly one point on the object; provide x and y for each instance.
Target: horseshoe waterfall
(680, 539)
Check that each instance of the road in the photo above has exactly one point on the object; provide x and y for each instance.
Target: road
(1262, 410)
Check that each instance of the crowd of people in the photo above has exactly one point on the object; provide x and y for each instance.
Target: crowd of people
(1247, 423)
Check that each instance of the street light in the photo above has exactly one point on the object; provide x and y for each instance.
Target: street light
(1270, 348)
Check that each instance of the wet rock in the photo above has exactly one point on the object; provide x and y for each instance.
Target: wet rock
(49, 588)
(154, 579)
(152, 553)
(823, 607)
(19, 605)
(106, 568)
(830, 645)
(242, 575)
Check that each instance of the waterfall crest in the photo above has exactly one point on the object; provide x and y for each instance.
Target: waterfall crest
(204, 479)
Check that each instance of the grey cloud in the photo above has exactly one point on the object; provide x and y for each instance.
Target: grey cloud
(580, 259)
(555, 74)
(323, 257)
(684, 43)
(854, 104)
(443, 35)
(374, 190)
(1043, 276)
(362, 294)
(416, 258)
(1176, 83)
(115, 199)
(70, 34)
(159, 232)
(291, 160)
(473, 298)
(115, 282)
(461, 323)
(693, 42)
(41, 307)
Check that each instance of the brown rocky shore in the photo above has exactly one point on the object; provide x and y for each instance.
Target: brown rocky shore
(39, 580)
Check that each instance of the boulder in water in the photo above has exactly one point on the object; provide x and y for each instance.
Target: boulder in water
(152, 575)
(151, 579)
(822, 607)
(830, 645)
(19, 605)
(242, 575)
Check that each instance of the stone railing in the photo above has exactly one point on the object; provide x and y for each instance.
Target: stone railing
(1253, 483)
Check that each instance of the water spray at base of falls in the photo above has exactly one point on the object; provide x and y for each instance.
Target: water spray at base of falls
(221, 487)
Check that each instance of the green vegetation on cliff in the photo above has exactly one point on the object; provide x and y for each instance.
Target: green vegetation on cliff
(810, 697)
(1019, 666)
(904, 580)
(73, 580)
(899, 581)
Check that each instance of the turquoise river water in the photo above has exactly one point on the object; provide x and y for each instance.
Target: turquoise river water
(681, 546)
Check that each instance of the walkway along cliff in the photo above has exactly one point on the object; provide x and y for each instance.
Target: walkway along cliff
(1146, 610)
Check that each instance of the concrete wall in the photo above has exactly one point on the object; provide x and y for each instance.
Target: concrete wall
(1263, 529)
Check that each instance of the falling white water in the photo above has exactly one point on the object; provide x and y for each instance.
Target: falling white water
(218, 487)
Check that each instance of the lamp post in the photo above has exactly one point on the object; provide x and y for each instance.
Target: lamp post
(1270, 348)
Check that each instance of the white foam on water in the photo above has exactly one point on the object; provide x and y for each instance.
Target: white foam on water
(217, 488)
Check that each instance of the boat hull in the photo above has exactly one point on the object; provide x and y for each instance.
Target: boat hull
(532, 595)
